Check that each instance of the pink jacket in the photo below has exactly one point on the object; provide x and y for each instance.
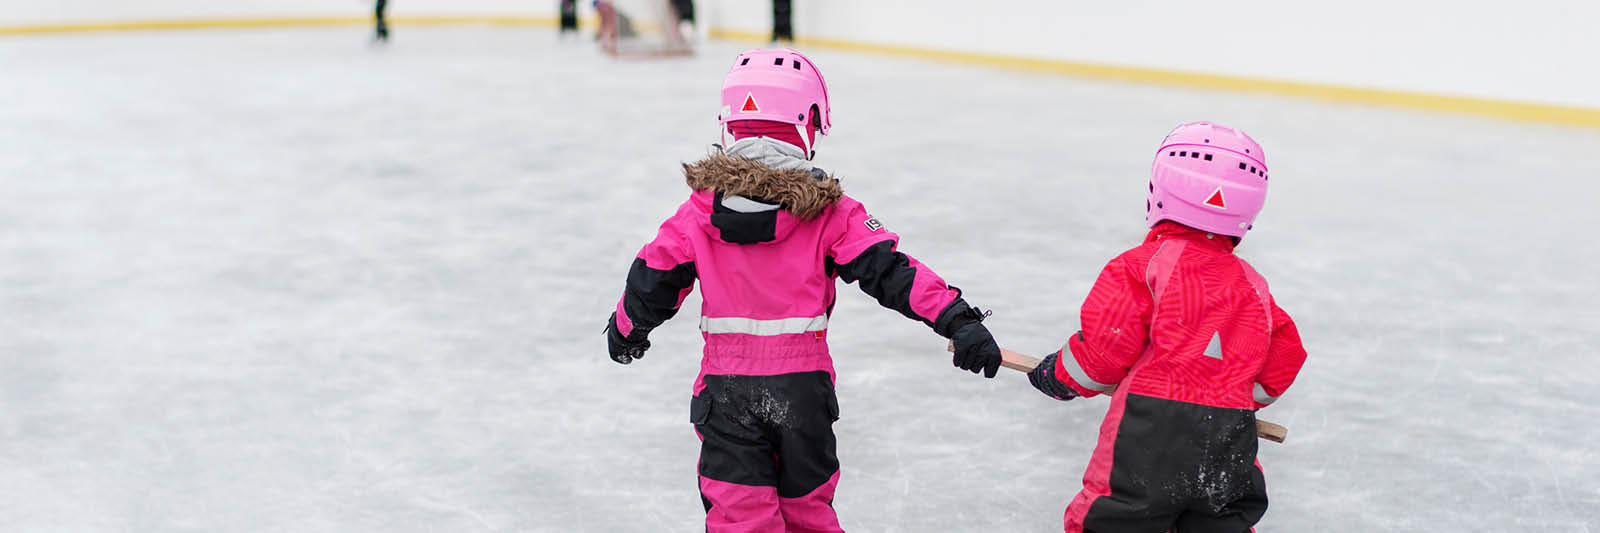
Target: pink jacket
(766, 245)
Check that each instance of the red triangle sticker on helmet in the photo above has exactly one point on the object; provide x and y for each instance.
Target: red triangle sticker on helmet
(1216, 200)
(750, 104)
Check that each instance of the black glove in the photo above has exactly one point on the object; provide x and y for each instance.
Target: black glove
(1043, 377)
(975, 348)
(622, 349)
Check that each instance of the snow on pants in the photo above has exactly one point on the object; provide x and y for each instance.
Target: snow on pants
(1165, 465)
(767, 452)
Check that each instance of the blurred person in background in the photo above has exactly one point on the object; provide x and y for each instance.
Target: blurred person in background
(782, 21)
(685, 12)
(613, 26)
(382, 32)
(569, 16)
(620, 36)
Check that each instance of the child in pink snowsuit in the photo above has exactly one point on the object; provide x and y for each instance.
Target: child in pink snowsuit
(766, 234)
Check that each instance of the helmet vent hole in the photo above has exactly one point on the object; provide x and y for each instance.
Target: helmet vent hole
(1194, 155)
(1159, 206)
(1247, 150)
(802, 117)
(1253, 170)
(1183, 154)
(1170, 154)
(1208, 141)
(778, 62)
(796, 64)
(1241, 166)
(1208, 157)
(1152, 189)
(745, 62)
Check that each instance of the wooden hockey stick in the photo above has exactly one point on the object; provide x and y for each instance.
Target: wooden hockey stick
(1024, 363)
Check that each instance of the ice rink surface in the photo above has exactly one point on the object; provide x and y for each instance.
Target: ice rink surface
(278, 280)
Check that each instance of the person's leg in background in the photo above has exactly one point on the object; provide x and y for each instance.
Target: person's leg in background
(685, 9)
(569, 16)
(782, 21)
(383, 23)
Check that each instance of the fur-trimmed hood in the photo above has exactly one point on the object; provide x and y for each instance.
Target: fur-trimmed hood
(758, 190)
(803, 193)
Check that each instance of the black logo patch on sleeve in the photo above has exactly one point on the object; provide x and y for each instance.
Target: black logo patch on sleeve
(873, 224)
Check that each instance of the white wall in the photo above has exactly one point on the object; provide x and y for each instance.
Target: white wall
(1544, 51)
(24, 12)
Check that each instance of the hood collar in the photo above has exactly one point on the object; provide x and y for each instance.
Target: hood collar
(770, 152)
(1168, 229)
(766, 171)
(758, 190)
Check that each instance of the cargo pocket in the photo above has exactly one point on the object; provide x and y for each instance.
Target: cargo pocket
(699, 410)
(833, 406)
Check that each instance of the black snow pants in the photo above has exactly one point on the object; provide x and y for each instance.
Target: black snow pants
(1175, 466)
(767, 453)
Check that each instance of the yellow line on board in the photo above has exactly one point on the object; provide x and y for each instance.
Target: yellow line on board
(1504, 109)
(193, 24)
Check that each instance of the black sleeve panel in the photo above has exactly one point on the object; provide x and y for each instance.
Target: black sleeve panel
(885, 274)
(652, 296)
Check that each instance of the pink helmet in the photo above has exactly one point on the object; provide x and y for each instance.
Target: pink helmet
(1209, 177)
(780, 85)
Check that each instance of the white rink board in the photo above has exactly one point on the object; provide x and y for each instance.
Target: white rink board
(1537, 51)
(279, 280)
(1534, 51)
(25, 12)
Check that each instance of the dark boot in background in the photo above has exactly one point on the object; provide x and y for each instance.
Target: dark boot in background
(782, 21)
(569, 16)
(382, 32)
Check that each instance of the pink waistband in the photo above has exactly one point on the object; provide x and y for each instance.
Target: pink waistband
(752, 355)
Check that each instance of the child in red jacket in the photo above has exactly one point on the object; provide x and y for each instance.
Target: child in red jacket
(1192, 342)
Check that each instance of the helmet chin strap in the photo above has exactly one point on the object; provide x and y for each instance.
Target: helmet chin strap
(809, 148)
(810, 153)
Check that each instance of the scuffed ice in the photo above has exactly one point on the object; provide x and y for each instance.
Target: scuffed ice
(278, 281)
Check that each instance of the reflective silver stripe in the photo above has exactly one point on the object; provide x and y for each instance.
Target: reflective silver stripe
(1070, 364)
(763, 328)
(1263, 397)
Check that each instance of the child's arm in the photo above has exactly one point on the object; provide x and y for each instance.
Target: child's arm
(662, 275)
(1116, 327)
(863, 250)
(1284, 357)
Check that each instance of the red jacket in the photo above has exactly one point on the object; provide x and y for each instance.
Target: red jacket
(1182, 318)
